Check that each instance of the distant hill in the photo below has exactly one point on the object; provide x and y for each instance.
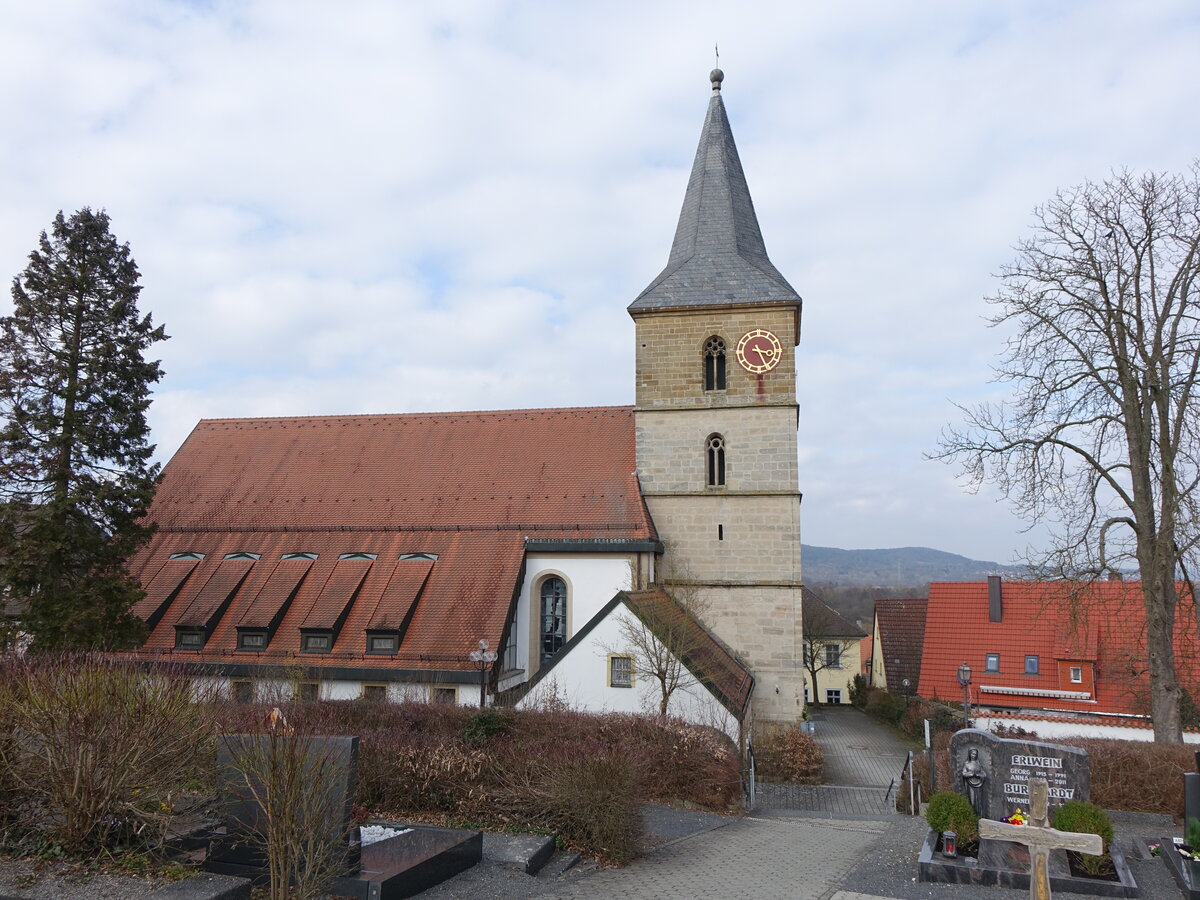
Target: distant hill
(898, 566)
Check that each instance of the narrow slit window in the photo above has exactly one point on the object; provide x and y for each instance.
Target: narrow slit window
(714, 364)
(554, 616)
(715, 449)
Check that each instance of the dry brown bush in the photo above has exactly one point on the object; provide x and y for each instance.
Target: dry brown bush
(785, 753)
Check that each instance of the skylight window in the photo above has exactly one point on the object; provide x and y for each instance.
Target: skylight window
(186, 554)
(241, 554)
(298, 556)
(359, 556)
(428, 556)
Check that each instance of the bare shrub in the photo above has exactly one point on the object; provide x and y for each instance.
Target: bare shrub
(100, 751)
(298, 824)
(785, 753)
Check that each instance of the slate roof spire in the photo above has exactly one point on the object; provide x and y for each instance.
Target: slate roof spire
(718, 256)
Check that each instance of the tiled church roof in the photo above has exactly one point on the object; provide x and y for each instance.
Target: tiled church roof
(465, 488)
(718, 256)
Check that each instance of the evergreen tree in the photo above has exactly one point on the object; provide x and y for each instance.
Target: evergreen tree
(75, 470)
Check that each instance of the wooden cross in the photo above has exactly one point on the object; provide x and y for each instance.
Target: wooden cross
(1040, 838)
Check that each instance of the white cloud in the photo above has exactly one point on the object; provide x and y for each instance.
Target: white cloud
(373, 206)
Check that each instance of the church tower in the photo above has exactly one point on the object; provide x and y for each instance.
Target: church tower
(716, 419)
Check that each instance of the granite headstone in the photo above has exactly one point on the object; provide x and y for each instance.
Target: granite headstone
(993, 772)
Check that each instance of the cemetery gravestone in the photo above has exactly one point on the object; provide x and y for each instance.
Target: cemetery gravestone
(994, 773)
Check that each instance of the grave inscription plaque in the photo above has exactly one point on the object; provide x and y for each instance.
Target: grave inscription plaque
(994, 773)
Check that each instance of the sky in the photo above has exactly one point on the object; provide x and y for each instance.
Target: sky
(377, 206)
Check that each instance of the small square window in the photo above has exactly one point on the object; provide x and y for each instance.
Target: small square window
(252, 640)
(189, 640)
(316, 643)
(1031, 665)
(308, 691)
(376, 693)
(620, 671)
(833, 696)
(445, 695)
(1076, 674)
(383, 643)
(992, 662)
(243, 692)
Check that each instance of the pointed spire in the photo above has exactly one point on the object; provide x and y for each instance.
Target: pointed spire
(718, 256)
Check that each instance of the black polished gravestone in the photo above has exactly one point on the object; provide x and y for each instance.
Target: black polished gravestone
(396, 867)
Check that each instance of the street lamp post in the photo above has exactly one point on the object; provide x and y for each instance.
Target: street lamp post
(964, 678)
(485, 658)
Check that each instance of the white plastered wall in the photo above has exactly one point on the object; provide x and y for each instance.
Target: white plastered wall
(580, 680)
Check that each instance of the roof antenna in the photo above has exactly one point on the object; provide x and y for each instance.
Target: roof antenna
(716, 76)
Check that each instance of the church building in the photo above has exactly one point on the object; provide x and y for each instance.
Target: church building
(369, 555)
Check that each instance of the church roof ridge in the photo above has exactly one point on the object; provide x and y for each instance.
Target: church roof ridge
(718, 255)
(365, 417)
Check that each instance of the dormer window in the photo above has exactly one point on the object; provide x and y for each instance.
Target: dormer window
(714, 364)
(298, 556)
(189, 639)
(316, 641)
(383, 642)
(242, 554)
(367, 556)
(252, 639)
(425, 556)
(186, 554)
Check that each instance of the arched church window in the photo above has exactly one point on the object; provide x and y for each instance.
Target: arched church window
(716, 460)
(554, 616)
(714, 364)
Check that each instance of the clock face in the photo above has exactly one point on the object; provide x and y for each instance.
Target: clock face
(759, 351)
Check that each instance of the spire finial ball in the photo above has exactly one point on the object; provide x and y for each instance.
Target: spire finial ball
(716, 76)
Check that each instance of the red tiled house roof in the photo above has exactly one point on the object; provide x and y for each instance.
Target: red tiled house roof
(901, 639)
(467, 489)
(1098, 630)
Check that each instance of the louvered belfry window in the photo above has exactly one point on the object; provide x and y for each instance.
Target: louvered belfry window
(714, 364)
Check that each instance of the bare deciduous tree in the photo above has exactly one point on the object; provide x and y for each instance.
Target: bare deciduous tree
(1101, 437)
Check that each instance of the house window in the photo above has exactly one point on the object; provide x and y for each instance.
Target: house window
(715, 449)
(620, 671)
(187, 554)
(1076, 674)
(833, 695)
(358, 556)
(252, 640)
(445, 695)
(308, 691)
(316, 643)
(383, 643)
(243, 692)
(190, 639)
(992, 662)
(425, 556)
(554, 616)
(376, 693)
(242, 555)
(298, 556)
(1031, 665)
(714, 364)
(833, 656)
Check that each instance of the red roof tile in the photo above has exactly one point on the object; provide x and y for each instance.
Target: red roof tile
(467, 488)
(1098, 629)
(901, 639)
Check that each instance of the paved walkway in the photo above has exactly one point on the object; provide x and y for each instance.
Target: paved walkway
(862, 758)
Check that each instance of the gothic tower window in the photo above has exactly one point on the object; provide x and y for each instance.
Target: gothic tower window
(714, 364)
(554, 616)
(716, 460)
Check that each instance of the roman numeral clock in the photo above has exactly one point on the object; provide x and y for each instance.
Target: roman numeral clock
(759, 351)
